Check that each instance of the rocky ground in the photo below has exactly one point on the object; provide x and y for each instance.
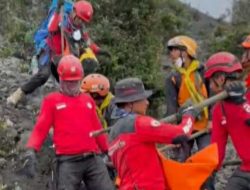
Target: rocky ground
(15, 126)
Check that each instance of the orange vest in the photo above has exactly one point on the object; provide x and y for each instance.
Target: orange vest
(184, 94)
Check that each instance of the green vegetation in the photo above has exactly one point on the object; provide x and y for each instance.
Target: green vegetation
(19, 18)
(132, 30)
(229, 37)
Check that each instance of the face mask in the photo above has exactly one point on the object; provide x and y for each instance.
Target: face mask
(70, 88)
(178, 62)
(77, 35)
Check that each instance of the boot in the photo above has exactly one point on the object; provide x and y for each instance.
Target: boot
(15, 97)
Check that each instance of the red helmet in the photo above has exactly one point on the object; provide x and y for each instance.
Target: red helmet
(84, 10)
(222, 62)
(70, 68)
(96, 83)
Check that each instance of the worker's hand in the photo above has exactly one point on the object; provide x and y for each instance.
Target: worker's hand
(190, 111)
(236, 91)
(29, 164)
(180, 139)
(184, 148)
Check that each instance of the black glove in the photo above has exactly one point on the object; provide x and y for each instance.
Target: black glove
(184, 149)
(104, 53)
(236, 91)
(180, 139)
(191, 111)
(29, 165)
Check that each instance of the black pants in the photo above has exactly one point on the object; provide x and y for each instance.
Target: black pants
(239, 181)
(72, 170)
(45, 68)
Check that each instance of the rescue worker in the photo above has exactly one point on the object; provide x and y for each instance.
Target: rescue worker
(134, 135)
(98, 87)
(185, 84)
(75, 36)
(231, 116)
(72, 115)
(245, 61)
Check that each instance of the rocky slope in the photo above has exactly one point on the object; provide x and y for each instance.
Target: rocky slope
(16, 124)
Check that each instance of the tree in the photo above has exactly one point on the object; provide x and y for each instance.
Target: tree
(228, 37)
(133, 31)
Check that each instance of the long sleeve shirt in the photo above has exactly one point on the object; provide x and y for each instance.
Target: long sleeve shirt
(72, 119)
(230, 119)
(133, 149)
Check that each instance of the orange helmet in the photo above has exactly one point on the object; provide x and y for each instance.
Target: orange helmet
(96, 83)
(246, 42)
(84, 10)
(70, 68)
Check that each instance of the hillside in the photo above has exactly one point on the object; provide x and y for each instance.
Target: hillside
(135, 35)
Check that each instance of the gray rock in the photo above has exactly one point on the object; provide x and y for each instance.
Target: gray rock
(9, 123)
(23, 140)
(3, 163)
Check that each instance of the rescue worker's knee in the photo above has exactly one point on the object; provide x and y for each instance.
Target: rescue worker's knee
(43, 74)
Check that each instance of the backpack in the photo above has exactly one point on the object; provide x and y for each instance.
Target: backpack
(42, 32)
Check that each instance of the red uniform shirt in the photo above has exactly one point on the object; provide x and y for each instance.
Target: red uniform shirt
(248, 94)
(72, 119)
(248, 81)
(232, 122)
(134, 154)
(54, 40)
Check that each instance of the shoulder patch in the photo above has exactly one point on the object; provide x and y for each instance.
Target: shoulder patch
(89, 105)
(155, 123)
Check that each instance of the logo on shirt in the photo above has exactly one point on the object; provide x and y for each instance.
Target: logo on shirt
(89, 105)
(223, 120)
(246, 107)
(61, 106)
(155, 123)
(188, 126)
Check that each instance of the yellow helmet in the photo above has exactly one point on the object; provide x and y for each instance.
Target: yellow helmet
(185, 43)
